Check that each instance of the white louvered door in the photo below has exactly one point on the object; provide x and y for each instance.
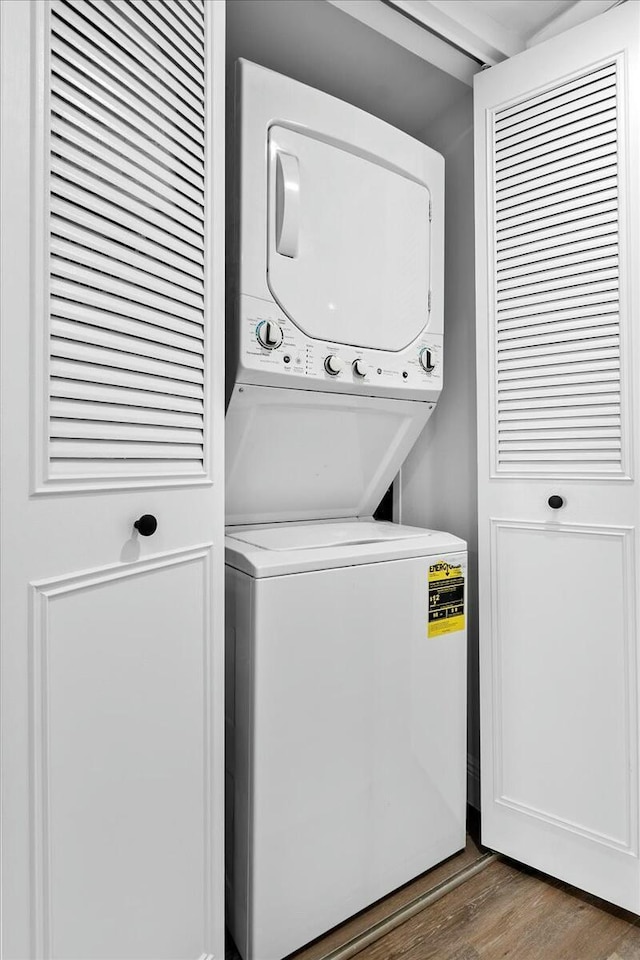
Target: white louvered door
(112, 403)
(558, 222)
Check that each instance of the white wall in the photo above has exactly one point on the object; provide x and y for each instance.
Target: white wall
(438, 480)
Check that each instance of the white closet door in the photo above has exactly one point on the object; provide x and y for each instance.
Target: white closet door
(111, 388)
(558, 220)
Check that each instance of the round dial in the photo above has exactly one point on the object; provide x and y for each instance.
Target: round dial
(359, 368)
(426, 360)
(269, 334)
(333, 364)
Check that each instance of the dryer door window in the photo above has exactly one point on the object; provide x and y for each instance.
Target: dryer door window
(348, 244)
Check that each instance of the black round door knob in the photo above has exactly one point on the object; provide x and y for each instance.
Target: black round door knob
(555, 502)
(146, 525)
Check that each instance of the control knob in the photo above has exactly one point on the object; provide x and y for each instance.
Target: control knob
(333, 364)
(269, 334)
(359, 368)
(426, 360)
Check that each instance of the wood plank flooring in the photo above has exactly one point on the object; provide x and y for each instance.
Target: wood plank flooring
(506, 912)
(384, 908)
(510, 912)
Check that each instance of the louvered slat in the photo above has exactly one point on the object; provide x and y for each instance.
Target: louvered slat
(535, 423)
(567, 92)
(121, 252)
(96, 449)
(101, 356)
(527, 408)
(552, 391)
(93, 394)
(602, 155)
(556, 307)
(551, 185)
(90, 372)
(74, 50)
(551, 117)
(82, 468)
(81, 206)
(84, 334)
(559, 266)
(183, 78)
(62, 409)
(120, 192)
(174, 14)
(126, 253)
(87, 318)
(116, 268)
(75, 20)
(77, 429)
(153, 195)
(577, 228)
(69, 87)
(516, 351)
(596, 312)
(165, 30)
(561, 157)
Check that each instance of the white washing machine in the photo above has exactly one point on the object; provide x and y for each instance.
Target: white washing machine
(346, 637)
(346, 654)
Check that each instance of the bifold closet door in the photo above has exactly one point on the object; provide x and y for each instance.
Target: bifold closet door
(111, 389)
(558, 216)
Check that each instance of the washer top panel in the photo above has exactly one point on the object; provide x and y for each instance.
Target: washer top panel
(297, 536)
(348, 243)
(286, 548)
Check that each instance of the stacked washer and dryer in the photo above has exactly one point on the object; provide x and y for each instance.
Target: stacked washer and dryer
(346, 639)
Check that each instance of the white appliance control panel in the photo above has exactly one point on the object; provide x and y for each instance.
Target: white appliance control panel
(273, 351)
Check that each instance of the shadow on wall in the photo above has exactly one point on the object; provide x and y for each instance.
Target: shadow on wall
(439, 478)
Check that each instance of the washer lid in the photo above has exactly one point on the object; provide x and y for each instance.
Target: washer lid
(348, 243)
(300, 536)
(285, 548)
(295, 455)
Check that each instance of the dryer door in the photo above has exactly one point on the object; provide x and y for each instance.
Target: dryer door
(348, 243)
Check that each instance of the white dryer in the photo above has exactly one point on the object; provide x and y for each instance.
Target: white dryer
(346, 638)
(335, 343)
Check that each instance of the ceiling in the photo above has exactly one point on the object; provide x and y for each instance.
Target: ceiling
(492, 30)
(375, 54)
(523, 17)
(315, 42)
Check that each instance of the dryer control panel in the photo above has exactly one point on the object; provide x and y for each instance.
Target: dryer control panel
(274, 351)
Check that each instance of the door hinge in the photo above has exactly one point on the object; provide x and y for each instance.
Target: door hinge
(430, 211)
(429, 302)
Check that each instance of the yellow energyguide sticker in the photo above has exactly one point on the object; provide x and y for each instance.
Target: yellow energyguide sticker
(446, 598)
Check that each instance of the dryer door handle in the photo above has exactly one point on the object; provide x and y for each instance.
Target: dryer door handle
(287, 205)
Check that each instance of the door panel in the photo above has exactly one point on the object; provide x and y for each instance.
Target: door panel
(557, 314)
(126, 306)
(111, 407)
(334, 281)
(558, 757)
(557, 241)
(120, 718)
